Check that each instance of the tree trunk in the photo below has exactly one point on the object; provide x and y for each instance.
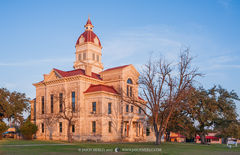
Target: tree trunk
(168, 136)
(157, 134)
(158, 138)
(203, 138)
(69, 133)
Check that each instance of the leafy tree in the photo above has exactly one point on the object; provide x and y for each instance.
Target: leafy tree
(212, 108)
(3, 128)
(12, 105)
(227, 124)
(4, 106)
(28, 129)
(180, 123)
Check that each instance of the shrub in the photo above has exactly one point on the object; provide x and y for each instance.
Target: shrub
(3, 128)
(28, 129)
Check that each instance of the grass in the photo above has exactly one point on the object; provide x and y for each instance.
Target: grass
(22, 147)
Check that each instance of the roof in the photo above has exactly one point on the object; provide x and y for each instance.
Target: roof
(119, 67)
(208, 137)
(140, 98)
(88, 36)
(76, 72)
(89, 22)
(100, 87)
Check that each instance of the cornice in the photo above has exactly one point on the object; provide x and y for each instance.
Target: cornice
(68, 79)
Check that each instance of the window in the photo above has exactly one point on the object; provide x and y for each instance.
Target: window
(93, 56)
(97, 58)
(94, 107)
(60, 127)
(94, 126)
(109, 108)
(139, 110)
(109, 127)
(73, 128)
(42, 127)
(79, 56)
(127, 107)
(129, 87)
(129, 81)
(73, 101)
(84, 56)
(52, 103)
(139, 129)
(130, 94)
(132, 108)
(60, 102)
(42, 104)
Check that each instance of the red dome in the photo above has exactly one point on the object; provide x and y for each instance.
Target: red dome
(88, 36)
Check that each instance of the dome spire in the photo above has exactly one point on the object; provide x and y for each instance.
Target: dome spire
(88, 25)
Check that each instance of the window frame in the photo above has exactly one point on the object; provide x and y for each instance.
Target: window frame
(80, 56)
(93, 126)
(132, 108)
(94, 107)
(109, 127)
(43, 104)
(73, 101)
(51, 100)
(60, 127)
(109, 108)
(60, 102)
(73, 128)
(127, 107)
(42, 127)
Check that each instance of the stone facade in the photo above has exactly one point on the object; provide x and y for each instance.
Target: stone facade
(91, 96)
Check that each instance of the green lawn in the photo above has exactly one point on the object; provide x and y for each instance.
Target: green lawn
(23, 147)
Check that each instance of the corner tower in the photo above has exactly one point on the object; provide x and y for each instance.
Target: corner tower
(88, 51)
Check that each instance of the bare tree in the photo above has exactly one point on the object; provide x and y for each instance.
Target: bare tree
(66, 111)
(164, 86)
(50, 120)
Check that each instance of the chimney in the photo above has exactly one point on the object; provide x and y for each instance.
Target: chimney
(88, 70)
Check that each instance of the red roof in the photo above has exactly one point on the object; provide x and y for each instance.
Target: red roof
(89, 22)
(89, 36)
(100, 87)
(140, 98)
(207, 137)
(76, 72)
(116, 68)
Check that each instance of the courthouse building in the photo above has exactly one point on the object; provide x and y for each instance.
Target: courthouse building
(92, 97)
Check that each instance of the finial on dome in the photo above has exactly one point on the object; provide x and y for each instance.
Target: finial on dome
(88, 25)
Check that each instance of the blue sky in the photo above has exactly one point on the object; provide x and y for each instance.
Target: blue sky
(36, 36)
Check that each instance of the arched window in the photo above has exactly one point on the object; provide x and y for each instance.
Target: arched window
(129, 81)
(129, 87)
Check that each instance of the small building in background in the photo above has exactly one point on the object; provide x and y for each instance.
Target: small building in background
(210, 138)
(177, 137)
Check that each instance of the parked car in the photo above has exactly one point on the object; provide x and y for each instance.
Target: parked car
(9, 134)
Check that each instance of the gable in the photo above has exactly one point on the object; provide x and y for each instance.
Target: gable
(53, 75)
